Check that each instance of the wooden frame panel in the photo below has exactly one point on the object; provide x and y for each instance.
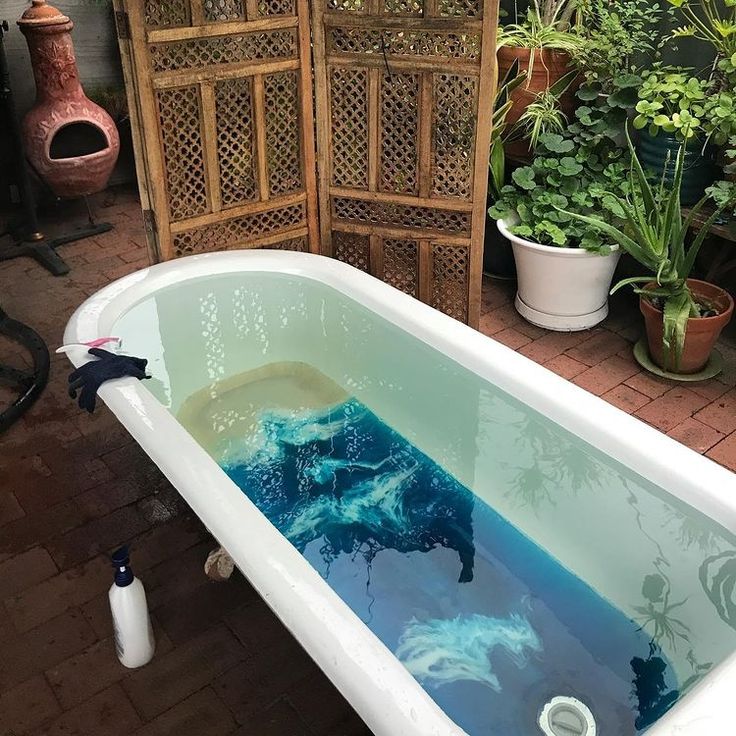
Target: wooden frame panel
(221, 104)
(431, 73)
(207, 83)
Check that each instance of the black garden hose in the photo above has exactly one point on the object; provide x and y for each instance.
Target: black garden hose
(30, 383)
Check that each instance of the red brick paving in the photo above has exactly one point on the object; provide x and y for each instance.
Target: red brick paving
(71, 484)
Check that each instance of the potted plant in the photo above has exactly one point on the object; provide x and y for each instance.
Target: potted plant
(671, 114)
(712, 21)
(564, 267)
(616, 37)
(497, 257)
(542, 45)
(683, 316)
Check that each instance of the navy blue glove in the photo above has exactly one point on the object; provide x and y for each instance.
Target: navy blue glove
(89, 377)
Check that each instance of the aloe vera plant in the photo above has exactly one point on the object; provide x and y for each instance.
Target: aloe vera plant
(654, 233)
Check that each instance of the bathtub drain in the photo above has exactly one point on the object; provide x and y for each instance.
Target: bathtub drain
(566, 716)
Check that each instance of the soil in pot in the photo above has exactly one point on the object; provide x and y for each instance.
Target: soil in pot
(702, 332)
(660, 152)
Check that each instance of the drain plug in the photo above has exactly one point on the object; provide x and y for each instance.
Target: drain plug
(566, 716)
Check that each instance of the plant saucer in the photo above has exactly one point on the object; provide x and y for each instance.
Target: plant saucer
(712, 368)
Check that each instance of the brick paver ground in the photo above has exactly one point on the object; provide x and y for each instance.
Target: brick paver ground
(70, 485)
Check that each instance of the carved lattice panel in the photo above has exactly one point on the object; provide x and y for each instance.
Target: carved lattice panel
(454, 118)
(349, 114)
(401, 264)
(403, 7)
(450, 275)
(282, 132)
(179, 117)
(222, 109)
(235, 141)
(166, 13)
(353, 249)
(298, 244)
(220, 10)
(276, 7)
(222, 104)
(237, 232)
(399, 127)
(205, 52)
(404, 92)
(399, 215)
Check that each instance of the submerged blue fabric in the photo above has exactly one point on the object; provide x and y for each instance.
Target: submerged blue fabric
(489, 623)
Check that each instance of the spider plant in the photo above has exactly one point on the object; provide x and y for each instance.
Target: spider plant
(536, 33)
(655, 235)
(544, 115)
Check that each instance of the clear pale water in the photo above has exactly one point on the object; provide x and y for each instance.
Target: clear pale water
(501, 558)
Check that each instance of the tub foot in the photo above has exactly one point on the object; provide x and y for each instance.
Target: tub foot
(219, 565)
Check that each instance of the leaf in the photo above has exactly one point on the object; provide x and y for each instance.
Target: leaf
(676, 315)
(555, 143)
(623, 98)
(632, 280)
(587, 93)
(523, 231)
(555, 233)
(613, 205)
(523, 177)
(569, 166)
(625, 81)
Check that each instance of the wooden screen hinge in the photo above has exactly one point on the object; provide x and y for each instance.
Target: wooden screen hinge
(122, 22)
(149, 222)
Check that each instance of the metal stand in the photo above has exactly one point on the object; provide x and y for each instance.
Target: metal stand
(27, 238)
(29, 384)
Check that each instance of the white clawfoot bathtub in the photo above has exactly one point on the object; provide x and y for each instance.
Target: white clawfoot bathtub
(365, 670)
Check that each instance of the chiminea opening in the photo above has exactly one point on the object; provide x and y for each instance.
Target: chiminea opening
(77, 139)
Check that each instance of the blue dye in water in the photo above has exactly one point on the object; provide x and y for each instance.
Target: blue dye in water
(490, 624)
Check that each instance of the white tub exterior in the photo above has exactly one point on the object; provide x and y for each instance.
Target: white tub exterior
(385, 695)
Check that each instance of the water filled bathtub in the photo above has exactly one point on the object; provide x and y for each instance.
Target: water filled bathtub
(456, 535)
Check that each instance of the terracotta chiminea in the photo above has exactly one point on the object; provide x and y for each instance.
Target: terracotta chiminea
(71, 142)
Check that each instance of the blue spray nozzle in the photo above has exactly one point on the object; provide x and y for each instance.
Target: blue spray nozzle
(121, 562)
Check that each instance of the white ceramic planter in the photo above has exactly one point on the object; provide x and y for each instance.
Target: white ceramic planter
(564, 289)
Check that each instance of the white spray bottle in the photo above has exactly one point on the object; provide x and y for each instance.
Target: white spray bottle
(134, 642)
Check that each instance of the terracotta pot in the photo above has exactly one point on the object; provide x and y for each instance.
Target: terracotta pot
(71, 142)
(701, 334)
(549, 67)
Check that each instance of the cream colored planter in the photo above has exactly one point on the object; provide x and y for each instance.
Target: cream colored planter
(564, 289)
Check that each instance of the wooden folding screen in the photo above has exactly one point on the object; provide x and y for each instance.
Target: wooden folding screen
(404, 103)
(221, 100)
(222, 109)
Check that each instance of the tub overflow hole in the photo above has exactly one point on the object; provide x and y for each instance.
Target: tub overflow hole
(565, 716)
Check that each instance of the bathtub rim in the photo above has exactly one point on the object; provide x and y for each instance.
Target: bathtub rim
(694, 479)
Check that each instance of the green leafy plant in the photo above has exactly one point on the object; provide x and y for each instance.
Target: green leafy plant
(723, 192)
(672, 101)
(654, 232)
(543, 114)
(614, 36)
(547, 25)
(601, 115)
(561, 177)
(719, 116)
(503, 103)
(713, 21)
